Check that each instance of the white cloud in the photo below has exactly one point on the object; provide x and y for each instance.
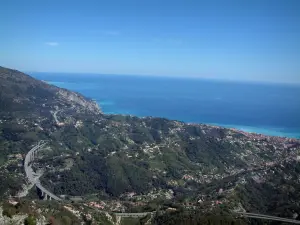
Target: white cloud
(51, 43)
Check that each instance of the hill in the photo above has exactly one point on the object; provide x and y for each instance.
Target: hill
(139, 164)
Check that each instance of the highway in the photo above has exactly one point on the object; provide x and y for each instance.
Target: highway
(31, 176)
(133, 214)
(244, 214)
(34, 179)
(266, 217)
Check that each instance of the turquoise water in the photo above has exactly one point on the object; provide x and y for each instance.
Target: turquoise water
(272, 109)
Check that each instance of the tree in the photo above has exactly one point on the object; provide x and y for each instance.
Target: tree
(30, 220)
(66, 220)
(7, 212)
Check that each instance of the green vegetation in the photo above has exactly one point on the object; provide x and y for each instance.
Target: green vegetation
(191, 218)
(108, 167)
(275, 196)
(155, 162)
(10, 210)
(130, 221)
(30, 220)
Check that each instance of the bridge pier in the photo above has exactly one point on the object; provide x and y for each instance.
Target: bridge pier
(33, 178)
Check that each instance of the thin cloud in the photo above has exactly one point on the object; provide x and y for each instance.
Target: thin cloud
(51, 43)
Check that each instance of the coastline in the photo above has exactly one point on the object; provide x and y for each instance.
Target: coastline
(271, 132)
(260, 130)
(108, 106)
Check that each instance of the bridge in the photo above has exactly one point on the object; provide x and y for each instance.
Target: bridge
(244, 214)
(266, 217)
(136, 215)
(33, 177)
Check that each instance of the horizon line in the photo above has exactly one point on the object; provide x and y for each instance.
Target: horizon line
(174, 77)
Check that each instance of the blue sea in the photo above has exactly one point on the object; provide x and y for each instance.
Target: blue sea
(272, 109)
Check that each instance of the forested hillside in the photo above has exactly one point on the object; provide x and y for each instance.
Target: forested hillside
(140, 164)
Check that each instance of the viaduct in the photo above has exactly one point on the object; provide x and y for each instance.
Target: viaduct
(47, 195)
(32, 177)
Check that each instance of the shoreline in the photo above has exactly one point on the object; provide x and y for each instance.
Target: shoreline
(242, 128)
(260, 130)
(268, 131)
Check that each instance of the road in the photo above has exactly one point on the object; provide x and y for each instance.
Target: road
(31, 176)
(133, 214)
(55, 116)
(245, 214)
(266, 217)
(34, 179)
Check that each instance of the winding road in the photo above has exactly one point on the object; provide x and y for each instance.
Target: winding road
(55, 116)
(31, 176)
(34, 179)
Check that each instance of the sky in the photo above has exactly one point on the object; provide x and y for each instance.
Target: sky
(249, 40)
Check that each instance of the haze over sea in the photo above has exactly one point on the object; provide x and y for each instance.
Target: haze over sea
(272, 109)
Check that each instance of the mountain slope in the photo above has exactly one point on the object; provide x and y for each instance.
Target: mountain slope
(27, 106)
(20, 92)
(146, 160)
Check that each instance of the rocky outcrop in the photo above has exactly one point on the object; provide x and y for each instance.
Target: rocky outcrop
(78, 99)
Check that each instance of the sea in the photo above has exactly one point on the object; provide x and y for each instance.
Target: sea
(266, 108)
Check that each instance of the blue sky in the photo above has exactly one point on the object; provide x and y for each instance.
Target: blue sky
(256, 40)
